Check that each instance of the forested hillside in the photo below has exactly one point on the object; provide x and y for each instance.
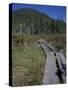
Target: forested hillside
(31, 21)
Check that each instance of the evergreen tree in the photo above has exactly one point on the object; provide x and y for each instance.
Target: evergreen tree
(52, 26)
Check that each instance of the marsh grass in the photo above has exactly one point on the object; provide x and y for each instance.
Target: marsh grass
(28, 59)
(27, 65)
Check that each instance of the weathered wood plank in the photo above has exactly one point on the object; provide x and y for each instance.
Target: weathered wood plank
(62, 57)
(55, 68)
(62, 65)
(45, 48)
(50, 76)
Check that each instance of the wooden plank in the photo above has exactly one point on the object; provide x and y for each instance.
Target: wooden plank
(62, 57)
(50, 76)
(45, 48)
(58, 59)
(53, 74)
(50, 47)
(62, 65)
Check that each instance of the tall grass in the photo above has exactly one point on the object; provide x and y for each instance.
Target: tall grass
(27, 66)
(28, 59)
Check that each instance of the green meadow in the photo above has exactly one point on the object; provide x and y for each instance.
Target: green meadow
(28, 59)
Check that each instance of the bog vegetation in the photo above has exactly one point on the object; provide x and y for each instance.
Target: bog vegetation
(28, 60)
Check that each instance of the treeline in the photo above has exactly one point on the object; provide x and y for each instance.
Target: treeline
(33, 22)
(54, 26)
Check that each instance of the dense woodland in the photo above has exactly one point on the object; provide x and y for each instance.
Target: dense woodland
(30, 21)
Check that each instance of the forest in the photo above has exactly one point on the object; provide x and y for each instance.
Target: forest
(31, 21)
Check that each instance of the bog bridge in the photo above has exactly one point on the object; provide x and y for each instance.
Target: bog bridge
(55, 66)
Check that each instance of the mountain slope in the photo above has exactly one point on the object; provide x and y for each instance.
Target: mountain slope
(31, 21)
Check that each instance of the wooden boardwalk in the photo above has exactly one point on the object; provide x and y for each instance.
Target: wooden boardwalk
(50, 76)
(55, 67)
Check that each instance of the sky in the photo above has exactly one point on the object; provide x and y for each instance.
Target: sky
(56, 12)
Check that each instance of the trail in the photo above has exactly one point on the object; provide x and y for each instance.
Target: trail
(55, 67)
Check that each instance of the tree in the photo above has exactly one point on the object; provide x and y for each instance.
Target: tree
(52, 26)
(57, 27)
